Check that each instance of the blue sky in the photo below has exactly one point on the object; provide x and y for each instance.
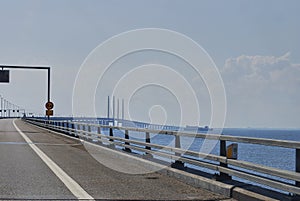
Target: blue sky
(246, 39)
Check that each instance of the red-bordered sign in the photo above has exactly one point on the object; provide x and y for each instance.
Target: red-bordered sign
(49, 105)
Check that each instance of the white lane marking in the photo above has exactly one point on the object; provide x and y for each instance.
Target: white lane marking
(39, 143)
(70, 183)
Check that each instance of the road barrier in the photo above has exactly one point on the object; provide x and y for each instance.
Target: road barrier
(225, 167)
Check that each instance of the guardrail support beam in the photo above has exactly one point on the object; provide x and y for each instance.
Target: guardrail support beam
(223, 176)
(148, 140)
(297, 168)
(111, 134)
(83, 133)
(99, 132)
(78, 131)
(178, 164)
(297, 162)
(73, 128)
(127, 143)
(68, 127)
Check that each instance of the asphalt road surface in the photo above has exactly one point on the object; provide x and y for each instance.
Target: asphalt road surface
(38, 164)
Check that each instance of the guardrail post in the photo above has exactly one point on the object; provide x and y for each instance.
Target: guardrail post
(68, 128)
(111, 134)
(297, 165)
(78, 130)
(297, 169)
(89, 130)
(72, 128)
(64, 127)
(178, 164)
(148, 140)
(127, 143)
(83, 128)
(92, 135)
(99, 132)
(223, 176)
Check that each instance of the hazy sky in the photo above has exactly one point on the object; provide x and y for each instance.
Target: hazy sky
(254, 44)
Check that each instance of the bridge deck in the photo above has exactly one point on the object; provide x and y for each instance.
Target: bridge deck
(24, 175)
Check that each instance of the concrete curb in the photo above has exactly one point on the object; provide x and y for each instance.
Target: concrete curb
(243, 194)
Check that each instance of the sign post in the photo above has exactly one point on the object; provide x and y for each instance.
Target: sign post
(4, 76)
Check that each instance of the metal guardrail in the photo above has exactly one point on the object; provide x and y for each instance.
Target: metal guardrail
(181, 156)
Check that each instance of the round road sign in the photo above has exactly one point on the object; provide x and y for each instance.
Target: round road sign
(49, 105)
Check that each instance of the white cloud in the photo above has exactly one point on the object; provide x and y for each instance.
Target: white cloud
(262, 89)
(262, 73)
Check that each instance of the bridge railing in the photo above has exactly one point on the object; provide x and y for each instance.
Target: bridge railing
(220, 163)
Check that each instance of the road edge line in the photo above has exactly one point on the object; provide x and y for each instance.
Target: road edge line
(68, 181)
